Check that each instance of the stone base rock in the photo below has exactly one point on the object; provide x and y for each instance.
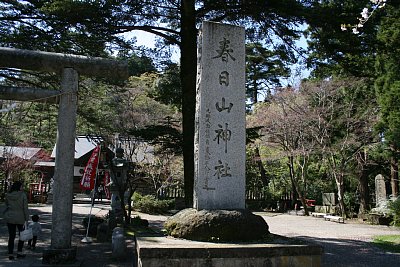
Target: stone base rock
(217, 225)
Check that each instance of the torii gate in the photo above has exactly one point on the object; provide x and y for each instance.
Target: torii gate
(69, 66)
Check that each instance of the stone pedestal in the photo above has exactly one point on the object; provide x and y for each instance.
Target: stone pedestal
(379, 219)
(102, 232)
(59, 256)
(171, 252)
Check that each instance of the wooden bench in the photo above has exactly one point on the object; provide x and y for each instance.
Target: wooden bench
(333, 218)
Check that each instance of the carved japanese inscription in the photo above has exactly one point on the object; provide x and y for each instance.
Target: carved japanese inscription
(220, 118)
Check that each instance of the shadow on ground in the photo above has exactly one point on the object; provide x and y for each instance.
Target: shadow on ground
(353, 253)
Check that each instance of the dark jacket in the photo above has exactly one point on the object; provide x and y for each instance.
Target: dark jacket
(16, 208)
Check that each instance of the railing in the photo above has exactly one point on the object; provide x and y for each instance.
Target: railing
(170, 192)
(256, 195)
(254, 198)
(176, 192)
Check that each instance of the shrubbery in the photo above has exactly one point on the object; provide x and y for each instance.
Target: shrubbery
(149, 204)
(394, 207)
(139, 222)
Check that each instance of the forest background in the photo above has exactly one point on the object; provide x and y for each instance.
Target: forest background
(332, 132)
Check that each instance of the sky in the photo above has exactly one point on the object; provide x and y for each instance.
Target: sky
(143, 38)
(147, 39)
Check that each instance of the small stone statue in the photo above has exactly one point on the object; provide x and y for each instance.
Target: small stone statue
(51, 185)
(119, 170)
(50, 192)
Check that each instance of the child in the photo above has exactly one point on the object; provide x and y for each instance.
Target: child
(36, 230)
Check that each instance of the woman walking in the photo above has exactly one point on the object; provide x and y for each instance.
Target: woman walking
(16, 214)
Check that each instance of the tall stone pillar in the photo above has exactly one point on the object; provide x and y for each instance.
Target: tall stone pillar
(61, 230)
(220, 119)
(220, 140)
(380, 191)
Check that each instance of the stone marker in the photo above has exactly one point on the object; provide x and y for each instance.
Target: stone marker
(220, 118)
(219, 212)
(380, 190)
(118, 243)
(328, 199)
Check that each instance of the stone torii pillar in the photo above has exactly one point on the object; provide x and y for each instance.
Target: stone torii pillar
(70, 67)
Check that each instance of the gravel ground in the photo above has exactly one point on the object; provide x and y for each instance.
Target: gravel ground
(347, 244)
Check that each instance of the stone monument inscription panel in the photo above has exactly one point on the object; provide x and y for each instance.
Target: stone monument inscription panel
(220, 118)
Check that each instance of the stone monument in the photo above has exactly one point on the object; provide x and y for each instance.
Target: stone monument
(220, 138)
(328, 199)
(219, 184)
(50, 193)
(328, 203)
(381, 213)
(380, 191)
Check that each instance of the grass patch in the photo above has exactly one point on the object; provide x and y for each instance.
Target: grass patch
(389, 243)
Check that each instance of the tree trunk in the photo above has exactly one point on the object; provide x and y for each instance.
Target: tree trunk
(340, 188)
(121, 192)
(255, 92)
(394, 176)
(296, 186)
(5, 187)
(304, 203)
(129, 215)
(188, 83)
(263, 173)
(364, 193)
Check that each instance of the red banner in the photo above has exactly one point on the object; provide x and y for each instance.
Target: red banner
(106, 186)
(87, 181)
